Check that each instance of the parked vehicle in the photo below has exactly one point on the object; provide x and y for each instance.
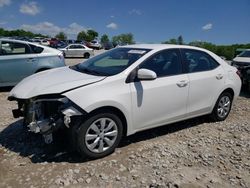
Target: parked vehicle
(19, 59)
(108, 45)
(53, 42)
(95, 45)
(77, 50)
(242, 63)
(126, 90)
(45, 42)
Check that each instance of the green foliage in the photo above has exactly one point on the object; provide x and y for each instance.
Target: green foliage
(87, 36)
(170, 41)
(104, 38)
(19, 33)
(92, 34)
(82, 36)
(61, 36)
(227, 51)
(126, 38)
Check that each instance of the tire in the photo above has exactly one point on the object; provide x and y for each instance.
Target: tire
(105, 132)
(222, 107)
(86, 55)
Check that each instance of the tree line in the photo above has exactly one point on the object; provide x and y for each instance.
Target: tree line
(227, 51)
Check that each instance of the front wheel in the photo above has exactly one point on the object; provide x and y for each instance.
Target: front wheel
(99, 135)
(222, 107)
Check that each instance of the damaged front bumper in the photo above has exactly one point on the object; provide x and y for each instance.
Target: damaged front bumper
(46, 115)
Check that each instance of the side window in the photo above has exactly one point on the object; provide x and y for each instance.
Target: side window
(198, 61)
(14, 48)
(36, 49)
(72, 47)
(164, 63)
(79, 46)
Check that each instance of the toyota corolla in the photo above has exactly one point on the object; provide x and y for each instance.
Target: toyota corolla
(126, 90)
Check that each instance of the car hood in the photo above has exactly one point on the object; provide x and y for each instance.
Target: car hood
(242, 59)
(53, 81)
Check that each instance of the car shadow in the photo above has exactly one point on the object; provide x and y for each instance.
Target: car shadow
(18, 139)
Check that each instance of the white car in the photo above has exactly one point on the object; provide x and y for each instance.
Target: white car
(95, 45)
(126, 90)
(243, 59)
(242, 63)
(77, 50)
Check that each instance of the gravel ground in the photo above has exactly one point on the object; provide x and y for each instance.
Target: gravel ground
(194, 153)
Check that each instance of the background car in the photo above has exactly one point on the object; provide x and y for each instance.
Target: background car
(77, 50)
(19, 59)
(108, 45)
(242, 63)
(124, 91)
(95, 45)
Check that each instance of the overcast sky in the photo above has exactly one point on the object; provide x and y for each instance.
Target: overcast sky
(216, 21)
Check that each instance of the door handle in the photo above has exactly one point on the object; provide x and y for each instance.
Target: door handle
(182, 83)
(31, 60)
(219, 76)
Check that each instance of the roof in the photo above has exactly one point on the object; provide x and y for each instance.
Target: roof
(161, 46)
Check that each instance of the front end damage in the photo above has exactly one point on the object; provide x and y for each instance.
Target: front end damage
(46, 114)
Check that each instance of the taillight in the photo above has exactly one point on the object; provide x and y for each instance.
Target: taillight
(61, 56)
(238, 73)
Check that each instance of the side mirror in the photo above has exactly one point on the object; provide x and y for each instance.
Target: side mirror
(146, 74)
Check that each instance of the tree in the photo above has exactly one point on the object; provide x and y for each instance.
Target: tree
(82, 36)
(61, 36)
(170, 41)
(88, 35)
(92, 34)
(180, 40)
(104, 38)
(127, 38)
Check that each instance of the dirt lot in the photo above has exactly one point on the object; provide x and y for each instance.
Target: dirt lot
(193, 153)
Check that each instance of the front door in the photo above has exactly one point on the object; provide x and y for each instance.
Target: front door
(164, 99)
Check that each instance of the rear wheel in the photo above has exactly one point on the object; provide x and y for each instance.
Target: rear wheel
(99, 135)
(222, 107)
(86, 55)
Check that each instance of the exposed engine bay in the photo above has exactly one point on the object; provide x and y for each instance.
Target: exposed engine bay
(46, 114)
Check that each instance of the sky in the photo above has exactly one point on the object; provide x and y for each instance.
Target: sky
(216, 21)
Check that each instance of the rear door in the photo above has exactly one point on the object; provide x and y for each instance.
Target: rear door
(16, 62)
(206, 78)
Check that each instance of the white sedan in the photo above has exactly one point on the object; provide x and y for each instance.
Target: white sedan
(77, 50)
(126, 90)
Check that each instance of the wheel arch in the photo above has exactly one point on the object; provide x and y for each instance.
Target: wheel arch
(229, 90)
(116, 111)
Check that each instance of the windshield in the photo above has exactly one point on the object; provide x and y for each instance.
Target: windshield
(244, 54)
(111, 62)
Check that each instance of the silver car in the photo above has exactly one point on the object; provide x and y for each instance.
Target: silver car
(19, 59)
(77, 50)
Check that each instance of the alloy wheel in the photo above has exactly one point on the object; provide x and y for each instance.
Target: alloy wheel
(223, 106)
(101, 135)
